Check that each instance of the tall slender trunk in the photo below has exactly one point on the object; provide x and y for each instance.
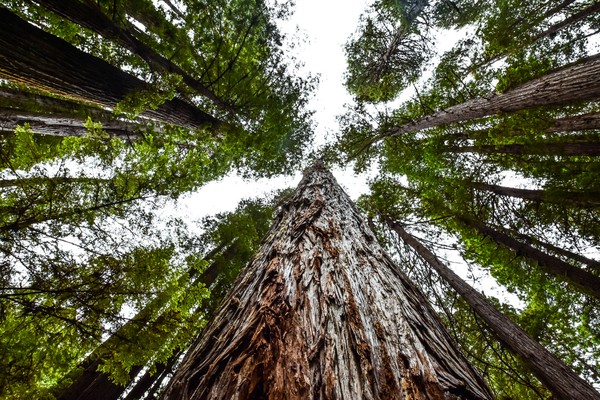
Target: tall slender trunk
(322, 312)
(22, 222)
(50, 181)
(44, 124)
(576, 122)
(49, 63)
(93, 382)
(584, 280)
(565, 85)
(595, 264)
(591, 149)
(532, 40)
(586, 12)
(580, 199)
(553, 373)
(89, 15)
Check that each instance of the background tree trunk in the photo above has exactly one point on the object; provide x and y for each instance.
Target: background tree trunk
(553, 373)
(49, 63)
(322, 312)
(584, 280)
(581, 199)
(562, 86)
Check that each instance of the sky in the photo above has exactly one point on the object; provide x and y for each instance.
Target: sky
(324, 27)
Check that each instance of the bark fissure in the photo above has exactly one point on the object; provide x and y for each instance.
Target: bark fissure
(322, 312)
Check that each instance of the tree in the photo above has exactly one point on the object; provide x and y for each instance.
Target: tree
(566, 85)
(561, 380)
(310, 317)
(156, 336)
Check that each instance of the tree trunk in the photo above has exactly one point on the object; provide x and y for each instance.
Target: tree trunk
(586, 12)
(495, 57)
(576, 123)
(44, 124)
(323, 313)
(553, 373)
(49, 63)
(591, 263)
(565, 85)
(579, 199)
(584, 280)
(89, 15)
(591, 149)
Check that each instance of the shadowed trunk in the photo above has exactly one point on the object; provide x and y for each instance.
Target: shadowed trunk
(584, 280)
(591, 263)
(576, 123)
(579, 199)
(323, 313)
(46, 62)
(44, 124)
(89, 15)
(553, 373)
(556, 149)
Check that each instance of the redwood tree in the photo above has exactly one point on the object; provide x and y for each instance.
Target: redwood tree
(322, 312)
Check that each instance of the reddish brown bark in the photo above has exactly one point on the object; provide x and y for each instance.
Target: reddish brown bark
(323, 313)
(553, 373)
(49, 63)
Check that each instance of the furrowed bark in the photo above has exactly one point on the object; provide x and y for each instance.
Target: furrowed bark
(576, 123)
(563, 86)
(322, 312)
(585, 281)
(44, 124)
(48, 63)
(553, 373)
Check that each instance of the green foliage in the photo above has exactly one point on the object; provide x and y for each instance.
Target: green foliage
(389, 52)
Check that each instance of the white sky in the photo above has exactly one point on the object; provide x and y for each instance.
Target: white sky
(325, 25)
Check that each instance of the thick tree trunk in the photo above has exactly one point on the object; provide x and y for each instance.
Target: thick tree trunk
(591, 149)
(566, 85)
(93, 381)
(89, 15)
(553, 373)
(584, 280)
(323, 313)
(579, 199)
(49, 63)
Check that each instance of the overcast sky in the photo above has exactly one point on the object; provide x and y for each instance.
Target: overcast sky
(324, 26)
